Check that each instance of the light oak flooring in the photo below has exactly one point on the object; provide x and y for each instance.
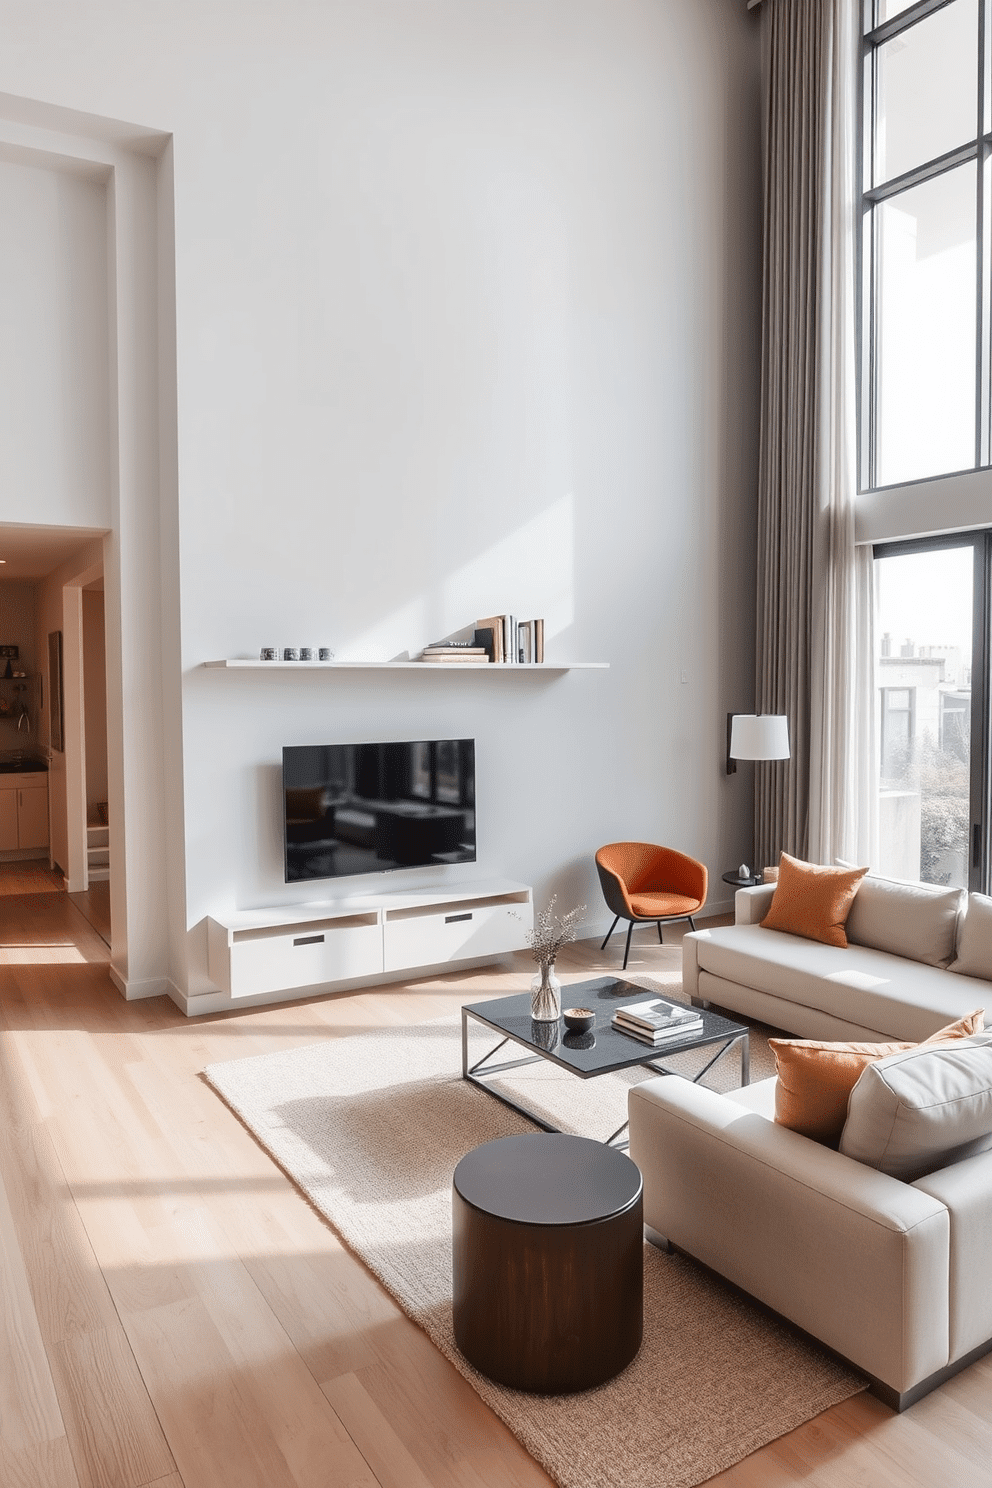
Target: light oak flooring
(173, 1314)
(94, 905)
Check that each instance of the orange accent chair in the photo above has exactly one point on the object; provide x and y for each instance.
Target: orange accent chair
(642, 883)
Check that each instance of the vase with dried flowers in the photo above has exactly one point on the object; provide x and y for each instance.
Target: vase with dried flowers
(551, 932)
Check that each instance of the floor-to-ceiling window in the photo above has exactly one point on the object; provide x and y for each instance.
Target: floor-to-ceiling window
(925, 253)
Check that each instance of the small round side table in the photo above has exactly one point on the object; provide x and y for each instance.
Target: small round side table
(548, 1261)
(743, 883)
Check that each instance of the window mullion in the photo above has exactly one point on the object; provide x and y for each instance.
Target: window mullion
(981, 763)
(982, 263)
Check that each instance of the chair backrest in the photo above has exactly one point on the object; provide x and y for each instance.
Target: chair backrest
(639, 867)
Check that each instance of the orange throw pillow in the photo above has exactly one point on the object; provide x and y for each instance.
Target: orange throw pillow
(815, 1079)
(811, 901)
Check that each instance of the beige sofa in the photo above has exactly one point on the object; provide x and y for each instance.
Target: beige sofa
(902, 975)
(890, 1273)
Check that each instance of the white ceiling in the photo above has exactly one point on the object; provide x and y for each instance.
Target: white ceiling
(34, 552)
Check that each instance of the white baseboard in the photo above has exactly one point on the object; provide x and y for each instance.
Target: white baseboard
(133, 991)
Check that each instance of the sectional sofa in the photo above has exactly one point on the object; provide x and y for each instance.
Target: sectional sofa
(891, 1272)
(913, 964)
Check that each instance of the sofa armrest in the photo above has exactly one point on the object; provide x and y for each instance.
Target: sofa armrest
(856, 1258)
(965, 1189)
(690, 964)
(751, 905)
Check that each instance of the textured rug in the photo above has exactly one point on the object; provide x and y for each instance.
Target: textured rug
(371, 1128)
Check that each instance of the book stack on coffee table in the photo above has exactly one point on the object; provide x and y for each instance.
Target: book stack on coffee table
(655, 1021)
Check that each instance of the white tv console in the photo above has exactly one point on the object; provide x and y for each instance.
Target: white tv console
(275, 955)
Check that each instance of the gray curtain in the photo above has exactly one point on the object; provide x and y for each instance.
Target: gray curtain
(805, 500)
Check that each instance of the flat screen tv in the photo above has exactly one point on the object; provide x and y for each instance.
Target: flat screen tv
(370, 808)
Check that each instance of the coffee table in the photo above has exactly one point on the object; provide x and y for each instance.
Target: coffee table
(602, 1051)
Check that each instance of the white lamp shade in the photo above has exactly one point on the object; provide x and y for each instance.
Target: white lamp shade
(759, 736)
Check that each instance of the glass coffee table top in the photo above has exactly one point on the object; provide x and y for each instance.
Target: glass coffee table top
(600, 1051)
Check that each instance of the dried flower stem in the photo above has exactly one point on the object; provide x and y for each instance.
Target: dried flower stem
(553, 931)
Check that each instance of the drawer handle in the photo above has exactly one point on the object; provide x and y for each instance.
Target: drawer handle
(308, 940)
(453, 919)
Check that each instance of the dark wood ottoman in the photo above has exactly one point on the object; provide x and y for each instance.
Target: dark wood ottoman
(548, 1260)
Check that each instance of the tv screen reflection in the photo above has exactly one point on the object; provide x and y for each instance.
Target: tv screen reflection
(369, 808)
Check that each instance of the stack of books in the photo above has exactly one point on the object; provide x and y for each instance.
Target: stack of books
(509, 640)
(654, 1021)
(456, 651)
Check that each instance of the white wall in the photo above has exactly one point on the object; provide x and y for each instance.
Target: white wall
(95, 695)
(466, 320)
(54, 454)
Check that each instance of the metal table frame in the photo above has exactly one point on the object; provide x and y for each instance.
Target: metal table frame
(477, 1073)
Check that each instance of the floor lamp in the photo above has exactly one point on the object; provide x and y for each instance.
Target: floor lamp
(754, 736)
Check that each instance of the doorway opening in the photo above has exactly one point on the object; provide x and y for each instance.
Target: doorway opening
(54, 718)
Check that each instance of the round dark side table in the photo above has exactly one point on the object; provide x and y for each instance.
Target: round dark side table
(548, 1261)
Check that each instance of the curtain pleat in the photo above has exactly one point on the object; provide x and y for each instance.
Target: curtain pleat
(797, 62)
(844, 764)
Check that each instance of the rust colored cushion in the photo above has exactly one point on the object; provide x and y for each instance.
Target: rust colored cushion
(811, 901)
(815, 1079)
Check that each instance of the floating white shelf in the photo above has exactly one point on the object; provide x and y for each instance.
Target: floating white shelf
(409, 666)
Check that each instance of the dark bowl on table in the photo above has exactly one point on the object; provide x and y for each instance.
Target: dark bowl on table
(579, 1020)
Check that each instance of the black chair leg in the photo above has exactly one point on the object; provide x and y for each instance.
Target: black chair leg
(626, 950)
(691, 922)
(610, 931)
(660, 939)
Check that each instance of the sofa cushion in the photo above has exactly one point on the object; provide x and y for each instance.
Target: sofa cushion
(974, 957)
(812, 901)
(815, 1079)
(921, 1109)
(917, 921)
(887, 996)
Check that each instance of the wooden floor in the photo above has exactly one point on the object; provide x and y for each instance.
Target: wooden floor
(94, 905)
(174, 1313)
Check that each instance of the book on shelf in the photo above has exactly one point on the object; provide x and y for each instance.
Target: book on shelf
(511, 641)
(453, 653)
(662, 1036)
(494, 626)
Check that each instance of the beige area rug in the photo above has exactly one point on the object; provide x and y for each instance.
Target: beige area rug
(371, 1129)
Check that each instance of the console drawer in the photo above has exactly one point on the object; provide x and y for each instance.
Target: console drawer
(303, 956)
(452, 932)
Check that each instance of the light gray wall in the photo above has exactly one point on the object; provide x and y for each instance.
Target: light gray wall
(467, 309)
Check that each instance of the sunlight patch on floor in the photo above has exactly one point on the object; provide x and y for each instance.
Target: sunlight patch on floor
(60, 954)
